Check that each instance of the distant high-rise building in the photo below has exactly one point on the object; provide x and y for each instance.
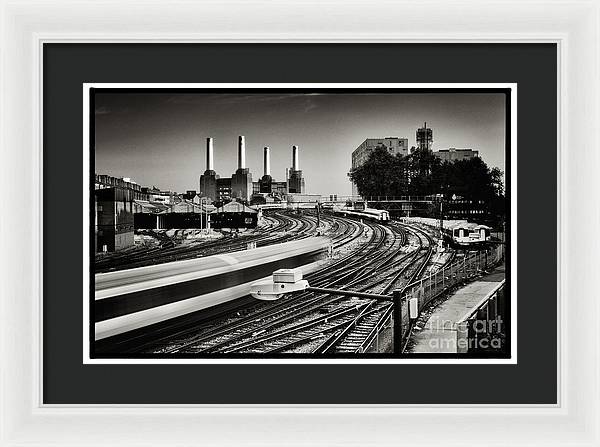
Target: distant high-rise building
(452, 154)
(425, 138)
(360, 155)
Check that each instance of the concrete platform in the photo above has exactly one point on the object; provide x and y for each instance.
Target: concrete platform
(439, 333)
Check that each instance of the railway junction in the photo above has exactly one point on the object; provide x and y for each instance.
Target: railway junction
(194, 299)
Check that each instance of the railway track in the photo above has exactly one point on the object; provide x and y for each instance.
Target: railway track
(342, 232)
(280, 227)
(313, 323)
(369, 257)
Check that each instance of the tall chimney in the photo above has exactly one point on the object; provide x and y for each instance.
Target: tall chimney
(209, 154)
(241, 152)
(267, 161)
(295, 163)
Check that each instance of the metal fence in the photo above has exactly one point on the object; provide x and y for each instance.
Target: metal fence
(484, 328)
(371, 343)
(457, 272)
(339, 198)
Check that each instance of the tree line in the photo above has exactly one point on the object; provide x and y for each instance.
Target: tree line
(422, 173)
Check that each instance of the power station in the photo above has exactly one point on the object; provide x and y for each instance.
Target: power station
(294, 179)
(240, 185)
(241, 180)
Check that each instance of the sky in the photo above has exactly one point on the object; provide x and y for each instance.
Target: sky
(160, 139)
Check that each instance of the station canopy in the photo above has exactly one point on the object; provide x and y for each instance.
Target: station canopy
(235, 207)
(186, 206)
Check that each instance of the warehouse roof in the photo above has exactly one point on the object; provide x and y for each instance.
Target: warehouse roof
(180, 207)
(235, 207)
(151, 207)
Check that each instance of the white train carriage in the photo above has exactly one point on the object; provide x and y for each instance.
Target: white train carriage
(367, 213)
(270, 206)
(379, 215)
(465, 234)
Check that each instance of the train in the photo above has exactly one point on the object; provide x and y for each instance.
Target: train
(463, 234)
(126, 300)
(459, 234)
(381, 216)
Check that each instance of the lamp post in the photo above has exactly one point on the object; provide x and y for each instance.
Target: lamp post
(317, 206)
(202, 209)
(201, 212)
(206, 217)
(441, 220)
(204, 212)
(290, 280)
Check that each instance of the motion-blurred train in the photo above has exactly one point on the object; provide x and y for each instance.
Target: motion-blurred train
(367, 213)
(126, 300)
(463, 234)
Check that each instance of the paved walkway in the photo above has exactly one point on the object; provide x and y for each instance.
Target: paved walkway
(439, 333)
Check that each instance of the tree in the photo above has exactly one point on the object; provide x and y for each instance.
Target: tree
(423, 168)
(497, 183)
(422, 173)
(381, 175)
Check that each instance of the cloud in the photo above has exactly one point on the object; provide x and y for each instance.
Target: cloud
(102, 110)
(232, 99)
(105, 110)
(309, 105)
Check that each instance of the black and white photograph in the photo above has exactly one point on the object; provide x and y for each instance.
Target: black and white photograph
(307, 222)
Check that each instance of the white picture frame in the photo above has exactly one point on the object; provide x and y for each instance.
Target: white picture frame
(574, 26)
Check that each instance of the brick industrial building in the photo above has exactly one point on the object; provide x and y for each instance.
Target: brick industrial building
(240, 185)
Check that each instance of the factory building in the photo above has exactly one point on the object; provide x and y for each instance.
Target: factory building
(114, 219)
(425, 138)
(266, 184)
(208, 180)
(113, 212)
(103, 181)
(266, 181)
(361, 154)
(238, 186)
(453, 154)
(295, 182)
(241, 180)
(223, 190)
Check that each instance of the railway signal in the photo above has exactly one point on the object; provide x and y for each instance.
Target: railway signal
(283, 281)
(440, 199)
